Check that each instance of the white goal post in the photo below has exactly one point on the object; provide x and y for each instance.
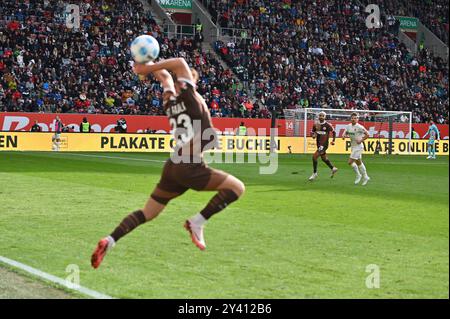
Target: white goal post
(380, 124)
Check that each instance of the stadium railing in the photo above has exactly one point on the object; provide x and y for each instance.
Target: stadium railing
(230, 34)
(178, 31)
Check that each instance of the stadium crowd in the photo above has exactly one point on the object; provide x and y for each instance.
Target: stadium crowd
(296, 54)
(316, 54)
(49, 68)
(432, 13)
(46, 67)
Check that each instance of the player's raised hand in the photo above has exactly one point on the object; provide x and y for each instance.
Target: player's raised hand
(137, 68)
(141, 68)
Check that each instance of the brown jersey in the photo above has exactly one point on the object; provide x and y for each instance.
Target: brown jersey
(190, 119)
(324, 131)
(190, 122)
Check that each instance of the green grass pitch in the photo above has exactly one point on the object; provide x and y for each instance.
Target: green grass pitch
(286, 238)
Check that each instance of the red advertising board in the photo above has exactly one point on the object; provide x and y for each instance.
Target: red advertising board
(138, 123)
(106, 123)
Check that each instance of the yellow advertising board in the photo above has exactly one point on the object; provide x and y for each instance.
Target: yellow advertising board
(79, 142)
(382, 146)
(93, 142)
(23, 141)
(260, 144)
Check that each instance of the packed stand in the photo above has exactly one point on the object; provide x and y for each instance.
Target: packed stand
(313, 53)
(46, 67)
(432, 13)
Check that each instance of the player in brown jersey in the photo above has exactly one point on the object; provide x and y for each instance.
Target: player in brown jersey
(321, 132)
(194, 133)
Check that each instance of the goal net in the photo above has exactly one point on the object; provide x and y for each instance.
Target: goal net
(382, 125)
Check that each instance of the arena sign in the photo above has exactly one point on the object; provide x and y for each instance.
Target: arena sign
(164, 143)
(176, 4)
(408, 23)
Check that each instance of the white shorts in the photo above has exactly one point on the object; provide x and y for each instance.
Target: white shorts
(356, 153)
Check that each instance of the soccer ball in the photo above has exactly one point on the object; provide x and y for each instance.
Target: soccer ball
(144, 48)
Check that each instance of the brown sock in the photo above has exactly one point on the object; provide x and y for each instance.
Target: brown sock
(221, 200)
(128, 224)
(327, 161)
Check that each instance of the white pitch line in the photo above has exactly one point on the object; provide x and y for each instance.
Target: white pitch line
(54, 279)
(115, 157)
(129, 158)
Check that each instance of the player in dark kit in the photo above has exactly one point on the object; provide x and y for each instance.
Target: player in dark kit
(193, 131)
(321, 132)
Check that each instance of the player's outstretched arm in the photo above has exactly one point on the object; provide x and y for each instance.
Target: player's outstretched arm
(178, 66)
(162, 76)
(166, 80)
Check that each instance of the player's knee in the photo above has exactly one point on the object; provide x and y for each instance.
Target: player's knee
(239, 187)
(233, 184)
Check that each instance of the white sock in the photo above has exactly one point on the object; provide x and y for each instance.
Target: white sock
(111, 242)
(355, 168)
(362, 169)
(198, 220)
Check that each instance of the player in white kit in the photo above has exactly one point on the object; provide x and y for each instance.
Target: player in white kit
(357, 134)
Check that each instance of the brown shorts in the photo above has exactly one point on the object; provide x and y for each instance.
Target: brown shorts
(178, 178)
(322, 149)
